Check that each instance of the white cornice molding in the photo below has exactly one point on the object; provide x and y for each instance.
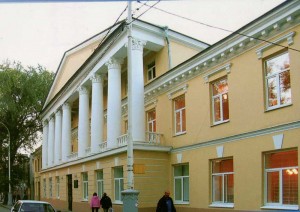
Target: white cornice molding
(181, 88)
(290, 40)
(226, 67)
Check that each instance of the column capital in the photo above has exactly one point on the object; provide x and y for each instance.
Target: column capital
(82, 90)
(51, 118)
(45, 122)
(114, 63)
(138, 44)
(66, 106)
(97, 78)
(58, 112)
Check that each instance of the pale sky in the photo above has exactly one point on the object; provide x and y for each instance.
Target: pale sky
(40, 33)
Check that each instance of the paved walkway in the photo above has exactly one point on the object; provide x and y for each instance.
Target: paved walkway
(4, 208)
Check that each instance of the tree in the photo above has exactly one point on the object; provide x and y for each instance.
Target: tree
(22, 95)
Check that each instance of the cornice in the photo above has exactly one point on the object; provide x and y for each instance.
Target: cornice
(239, 137)
(228, 48)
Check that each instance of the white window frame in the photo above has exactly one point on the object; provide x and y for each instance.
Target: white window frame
(181, 178)
(85, 186)
(151, 122)
(100, 183)
(280, 204)
(151, 71)
(218, 96)
(277, 79)
(57, 187)
(222, 203)
(50, 187)
(180, 111)
(120, 180)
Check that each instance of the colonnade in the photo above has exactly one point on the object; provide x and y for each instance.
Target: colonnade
(57, 126)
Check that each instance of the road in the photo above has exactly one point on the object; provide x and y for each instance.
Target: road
(3, 209)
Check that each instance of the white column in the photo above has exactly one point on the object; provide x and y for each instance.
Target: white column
(45, 145)
(97, 113)
(136, 109)
(66, 132)
(51, 141)
(114, 111)
(83, 125)
(57, 155)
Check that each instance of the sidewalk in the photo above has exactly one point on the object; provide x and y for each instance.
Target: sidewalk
(5, 206)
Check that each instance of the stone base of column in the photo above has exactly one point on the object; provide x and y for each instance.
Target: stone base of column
(130, 200)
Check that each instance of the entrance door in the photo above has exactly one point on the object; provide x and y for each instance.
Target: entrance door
(38, 191)
(70, 199)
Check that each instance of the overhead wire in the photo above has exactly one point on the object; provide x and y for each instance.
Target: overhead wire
(113, 26)
(219, 28)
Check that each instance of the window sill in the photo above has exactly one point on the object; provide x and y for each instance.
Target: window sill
(281, 207)
(84, 200)
(179, 134)
(181, 203)
(277, 107)
(222, 205)
(118, 202)
(219, 123)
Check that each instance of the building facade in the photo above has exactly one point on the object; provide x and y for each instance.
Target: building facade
(217, 125)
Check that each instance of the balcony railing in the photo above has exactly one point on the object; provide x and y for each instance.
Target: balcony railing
(153, 137)
(88, 151)
(73, 156)
(122, 140)
(103, 146)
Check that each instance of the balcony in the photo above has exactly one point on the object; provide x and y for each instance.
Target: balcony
(152, 139)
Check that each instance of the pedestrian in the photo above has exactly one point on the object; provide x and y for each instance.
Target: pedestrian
(165, 204)
(95, 203)
(105, 202)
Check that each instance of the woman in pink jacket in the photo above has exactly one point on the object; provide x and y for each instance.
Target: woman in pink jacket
(95, 203)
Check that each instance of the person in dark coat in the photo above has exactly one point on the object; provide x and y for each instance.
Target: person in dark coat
(165, 204)
(105, 202)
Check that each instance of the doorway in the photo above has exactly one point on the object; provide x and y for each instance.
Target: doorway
(70, 194)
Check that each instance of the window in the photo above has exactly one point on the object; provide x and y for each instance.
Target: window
(277, 79)
(44, 188)
(57, 187)
(151, 71)
(222, 182)
(151, 120)
(181, 183)
(179, 115)
(220, 101)
(50, 187)
(281, 178)
(100, 188)
(85, 185)
(118, 182)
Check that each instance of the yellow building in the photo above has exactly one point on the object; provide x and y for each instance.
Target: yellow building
(216, 125)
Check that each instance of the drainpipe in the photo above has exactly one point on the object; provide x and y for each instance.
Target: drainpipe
(166, 29)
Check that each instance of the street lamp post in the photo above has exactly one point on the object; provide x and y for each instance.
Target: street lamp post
(9, 201)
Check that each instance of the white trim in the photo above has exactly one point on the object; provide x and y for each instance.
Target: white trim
(176, 90)
(281, 207)
(288, 37)
(222, 205)
(226, 67)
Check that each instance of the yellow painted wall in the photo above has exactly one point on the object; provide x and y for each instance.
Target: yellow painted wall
(246, 102)
(247, 157)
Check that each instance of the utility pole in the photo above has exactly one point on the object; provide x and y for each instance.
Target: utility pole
(129, 196)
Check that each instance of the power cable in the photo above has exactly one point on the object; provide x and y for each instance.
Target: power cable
(219, 28)
(116, 22)
(150, 7)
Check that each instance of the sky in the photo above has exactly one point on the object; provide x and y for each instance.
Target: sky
(40, 32)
